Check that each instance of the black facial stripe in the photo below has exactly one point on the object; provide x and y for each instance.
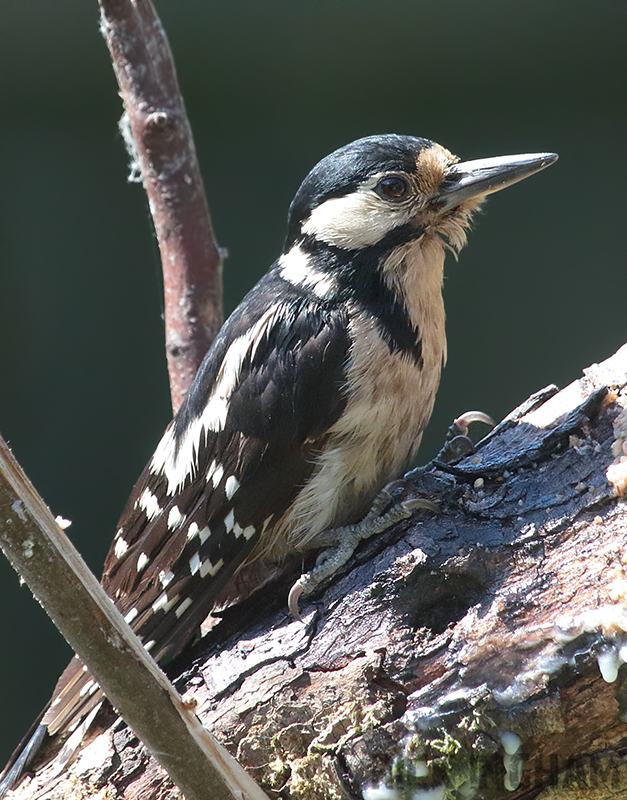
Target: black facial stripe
(359, 280)
(403, 234)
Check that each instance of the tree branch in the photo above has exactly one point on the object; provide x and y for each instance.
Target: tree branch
(480, 651)
(164, 148)
(46, 560)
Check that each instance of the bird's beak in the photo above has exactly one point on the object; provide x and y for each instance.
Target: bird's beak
(469, 179)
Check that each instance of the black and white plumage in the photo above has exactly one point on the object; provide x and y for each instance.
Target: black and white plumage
(314, 395)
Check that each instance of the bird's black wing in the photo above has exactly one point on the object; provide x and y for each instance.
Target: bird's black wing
(201, 504)
(229, 465)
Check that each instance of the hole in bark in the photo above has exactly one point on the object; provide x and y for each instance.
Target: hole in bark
(436, 600)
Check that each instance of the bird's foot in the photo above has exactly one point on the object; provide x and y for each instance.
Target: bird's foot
(457, 443)
(341, 543)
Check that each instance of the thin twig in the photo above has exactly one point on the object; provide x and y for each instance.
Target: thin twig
(47, 561)
(165, 152)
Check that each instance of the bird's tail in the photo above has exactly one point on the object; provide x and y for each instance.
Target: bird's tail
(22, 756)
(76, 701)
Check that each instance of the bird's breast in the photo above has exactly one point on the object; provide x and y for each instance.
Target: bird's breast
(390, 400)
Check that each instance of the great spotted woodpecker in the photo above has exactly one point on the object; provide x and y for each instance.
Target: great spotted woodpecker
(313, 397)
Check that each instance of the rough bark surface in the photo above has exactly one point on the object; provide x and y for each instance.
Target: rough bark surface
(476, 652)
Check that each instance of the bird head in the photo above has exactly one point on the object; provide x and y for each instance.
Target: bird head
(392, 190)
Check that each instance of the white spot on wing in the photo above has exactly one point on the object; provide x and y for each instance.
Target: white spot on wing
(120, 548)
(192, 531)
(204, 534)
(163, 604)
(207, 568)
(216, 477)
(165, 461)
(131, 615)
(175, 518)
(231, 486)
(86, 688)
(229, 521)
(165, 578)
(178, 463)
(194, 563)
(142, 560)
(183, 607)
(73, 743)
(148, 503)
(213, 417)
(249, 531)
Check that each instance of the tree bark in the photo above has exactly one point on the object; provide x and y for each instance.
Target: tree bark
(474, 652)
(159, 137)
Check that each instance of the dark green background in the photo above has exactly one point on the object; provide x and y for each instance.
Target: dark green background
(271, 87)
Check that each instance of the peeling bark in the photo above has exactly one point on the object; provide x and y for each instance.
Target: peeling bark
(477, 652)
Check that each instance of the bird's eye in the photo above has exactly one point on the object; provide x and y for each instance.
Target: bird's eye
(393, 187)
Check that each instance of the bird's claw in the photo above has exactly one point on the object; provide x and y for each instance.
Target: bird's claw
(419, 502)
(294, 596)
(469, 417)
(458, 445)
(343, 542)
(384, 498)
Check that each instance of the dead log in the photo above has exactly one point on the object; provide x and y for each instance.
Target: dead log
(476, 652)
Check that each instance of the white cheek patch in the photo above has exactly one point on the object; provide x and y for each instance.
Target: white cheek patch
(356, 220)
(297, 270)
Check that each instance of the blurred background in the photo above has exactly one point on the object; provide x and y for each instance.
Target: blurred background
(271, 87)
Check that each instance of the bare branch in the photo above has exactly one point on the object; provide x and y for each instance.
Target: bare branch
(60, 580)
(164, 148)
(480, 651)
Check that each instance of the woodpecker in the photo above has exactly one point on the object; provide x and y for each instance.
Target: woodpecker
(313, 397)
